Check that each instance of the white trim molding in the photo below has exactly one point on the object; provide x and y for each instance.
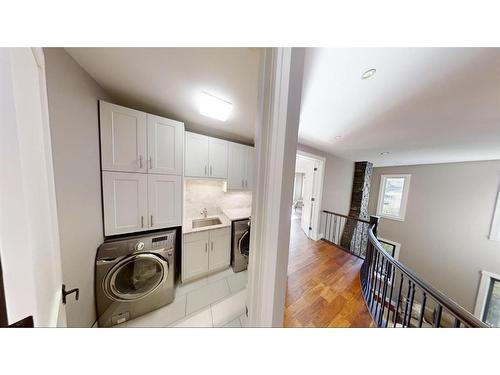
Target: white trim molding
(495, 223)
(482, 292)
(404, 198)
(276, 135)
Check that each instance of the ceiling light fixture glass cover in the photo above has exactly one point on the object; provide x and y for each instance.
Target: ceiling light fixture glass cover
(368, 74)
(214, 107)
(385, 153)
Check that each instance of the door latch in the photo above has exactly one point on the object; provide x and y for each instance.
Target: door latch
(66, 293)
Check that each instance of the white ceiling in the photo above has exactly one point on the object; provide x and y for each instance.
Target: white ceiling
(424, 105)
(168, 82)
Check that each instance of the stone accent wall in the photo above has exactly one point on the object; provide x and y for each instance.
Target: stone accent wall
(352, 236)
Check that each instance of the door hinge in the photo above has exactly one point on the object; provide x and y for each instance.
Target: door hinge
(312, 199)
(315, 169)
(66, 293)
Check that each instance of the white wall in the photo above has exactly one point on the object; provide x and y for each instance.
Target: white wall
(73, 111)
(444, 237)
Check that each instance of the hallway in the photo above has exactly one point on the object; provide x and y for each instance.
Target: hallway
(323, 288)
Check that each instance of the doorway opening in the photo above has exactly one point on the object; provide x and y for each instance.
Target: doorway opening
(307, 193)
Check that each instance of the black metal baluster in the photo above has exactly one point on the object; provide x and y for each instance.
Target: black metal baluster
(406, 303)
(395, 316)
(457, 323)
(380, 279)
(374, 272)
(439, 312)
(422, 309)
(412, 297)
(390, 297)
(384, 293)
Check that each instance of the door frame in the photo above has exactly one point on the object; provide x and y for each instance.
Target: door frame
(280, 90)
(317, 192)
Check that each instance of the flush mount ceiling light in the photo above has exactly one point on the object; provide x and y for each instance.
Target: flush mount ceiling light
(214, 107)
(368, 74)
(385, 153)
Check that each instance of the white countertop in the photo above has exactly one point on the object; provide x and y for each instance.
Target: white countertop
(187, 226)
(238, 213)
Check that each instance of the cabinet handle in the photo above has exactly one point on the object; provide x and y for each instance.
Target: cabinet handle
(151, 220)
(210, 170)
(140, 161)
(150, 162)
(242, 184)
(142, 221)
(205, 170)
(211, 246)
(206, 247)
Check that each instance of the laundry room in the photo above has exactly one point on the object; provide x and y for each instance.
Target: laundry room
(153, 152)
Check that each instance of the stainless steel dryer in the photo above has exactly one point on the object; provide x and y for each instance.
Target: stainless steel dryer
(241, 245)
(133, 276)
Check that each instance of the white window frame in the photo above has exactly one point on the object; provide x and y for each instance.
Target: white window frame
(482, 293)
(404, 198)
(495, 223)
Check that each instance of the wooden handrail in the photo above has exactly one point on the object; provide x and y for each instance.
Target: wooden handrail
(347, 217)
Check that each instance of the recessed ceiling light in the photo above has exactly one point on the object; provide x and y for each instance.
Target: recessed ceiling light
(385, 153)
(368, 74)
(214, 107)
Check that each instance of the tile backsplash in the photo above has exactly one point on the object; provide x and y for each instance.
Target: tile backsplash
(209, 194)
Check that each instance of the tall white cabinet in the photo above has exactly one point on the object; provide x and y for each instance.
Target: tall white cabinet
(240, 167)
(142, 168)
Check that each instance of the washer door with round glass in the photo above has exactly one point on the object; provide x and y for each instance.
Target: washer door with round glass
(135, 277)
(244, 244)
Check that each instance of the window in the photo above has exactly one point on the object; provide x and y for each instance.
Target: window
(393, 196)
(488, 299)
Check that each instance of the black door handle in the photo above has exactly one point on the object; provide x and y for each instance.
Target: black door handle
(66, 293)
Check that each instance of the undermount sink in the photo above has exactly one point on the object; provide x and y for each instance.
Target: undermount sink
(198, 223)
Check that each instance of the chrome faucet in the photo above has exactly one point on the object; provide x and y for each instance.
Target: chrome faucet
(204, 213)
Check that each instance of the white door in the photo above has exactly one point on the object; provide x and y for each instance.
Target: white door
(236, 166)
(195, 255)
(217, 155)
(305, 221)
(196, 155)
(165, 145)
(123, 138)
(249, 171)
(164, 200)
(125, 197)
(29, 234)
(220, 249)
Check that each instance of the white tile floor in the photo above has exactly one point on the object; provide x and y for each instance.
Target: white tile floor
(217, 300)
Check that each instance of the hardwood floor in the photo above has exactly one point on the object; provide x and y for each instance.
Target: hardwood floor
(323, 285)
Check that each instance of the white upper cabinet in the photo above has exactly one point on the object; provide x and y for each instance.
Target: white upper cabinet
(164, 201)
(205, 156)
(196, 155)
(165, 145)
(125, 202)
(240, 167)
(217, 156)
(123, 138)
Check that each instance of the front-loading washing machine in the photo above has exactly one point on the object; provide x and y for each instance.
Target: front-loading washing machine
(134, 276)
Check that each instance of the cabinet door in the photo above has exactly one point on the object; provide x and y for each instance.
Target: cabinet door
(236, 166)
(220, 249)
(195, 255)
(249, 169)
(164, 201)
(196, 155)
(125, 202)
(165, 145)
(123, 138)
(217, 155)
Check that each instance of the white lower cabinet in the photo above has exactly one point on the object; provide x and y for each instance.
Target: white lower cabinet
(135, 202)
(205, 252)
